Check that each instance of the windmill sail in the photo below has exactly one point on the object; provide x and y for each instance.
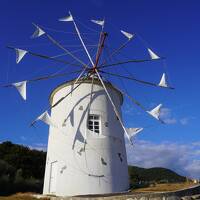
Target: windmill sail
(133, 131)
(38, 32)
(20, 53)
(163, 81)
(128, 35)
(67, 19)
(82, 42)
(153, 55)
(114, 107)
(155, 112)
(46, 119)
(21, 88)
(99, 22)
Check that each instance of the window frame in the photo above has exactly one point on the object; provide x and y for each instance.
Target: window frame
(94, 123)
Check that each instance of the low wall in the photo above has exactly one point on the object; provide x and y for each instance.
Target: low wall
(176, 195)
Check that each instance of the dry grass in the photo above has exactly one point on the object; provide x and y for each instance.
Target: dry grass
(21, 196)
(156, 188)
(166, 187)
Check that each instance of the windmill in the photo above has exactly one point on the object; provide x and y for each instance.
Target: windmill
(86, 147)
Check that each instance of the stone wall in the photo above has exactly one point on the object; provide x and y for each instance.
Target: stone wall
(192, 193)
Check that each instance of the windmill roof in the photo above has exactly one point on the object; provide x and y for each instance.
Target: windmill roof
(87, 80)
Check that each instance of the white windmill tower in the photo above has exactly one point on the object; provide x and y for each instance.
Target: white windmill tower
(86, 147)
(89, 156)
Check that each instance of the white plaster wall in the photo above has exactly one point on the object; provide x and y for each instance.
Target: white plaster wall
(85, 173)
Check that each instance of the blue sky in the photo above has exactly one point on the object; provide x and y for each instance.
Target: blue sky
(170, 28)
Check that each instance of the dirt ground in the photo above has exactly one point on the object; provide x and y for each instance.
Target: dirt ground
(154, 188)
(21, 196)
(166, 187)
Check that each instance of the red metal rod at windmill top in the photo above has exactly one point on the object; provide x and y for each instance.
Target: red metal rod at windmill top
(100, 49)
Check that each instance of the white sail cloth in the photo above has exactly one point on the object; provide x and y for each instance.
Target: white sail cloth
(99, 22)
(46, 119)
(126, 34)
(21, 88)
(155, 112)
(38, 32)
(67, 18)
(153, 55)
(132, 132)
(163, 81)
(20, 53)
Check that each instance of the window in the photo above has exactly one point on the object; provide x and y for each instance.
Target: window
(94, 123)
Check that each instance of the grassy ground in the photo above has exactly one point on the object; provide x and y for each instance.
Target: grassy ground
(156, 188)
(21, 196)
(165, 187)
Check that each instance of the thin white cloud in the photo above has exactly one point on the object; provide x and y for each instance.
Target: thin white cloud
(196, 144)
(166, 116)
(23, 138)
(129, 109)
(39, 146)
(182, 158)
(184, 121)
(170, 121)
(194, 168)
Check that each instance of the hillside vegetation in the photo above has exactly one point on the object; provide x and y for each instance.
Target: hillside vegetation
(141, 177)
(22, 170)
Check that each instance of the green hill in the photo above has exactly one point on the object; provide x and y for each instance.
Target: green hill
(22, 170)
(142, 177)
